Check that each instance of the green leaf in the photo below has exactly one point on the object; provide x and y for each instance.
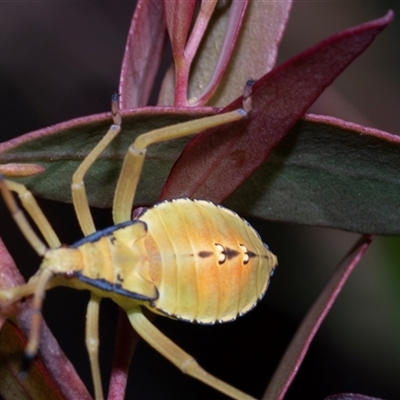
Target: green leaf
(61, 148)
(325, 172)
(328, 172)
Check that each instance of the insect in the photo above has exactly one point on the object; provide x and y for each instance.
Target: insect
(185, 259)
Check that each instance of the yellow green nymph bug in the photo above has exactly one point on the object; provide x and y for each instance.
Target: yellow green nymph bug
(185, 259)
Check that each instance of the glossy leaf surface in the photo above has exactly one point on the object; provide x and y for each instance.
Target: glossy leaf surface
(279, 190)
(61, 148)
(143, 54)
(330, 173)
(351, 184)
(217, 162)
(261, 20)
(255, 51)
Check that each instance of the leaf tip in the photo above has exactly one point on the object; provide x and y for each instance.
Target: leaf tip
(15, 170)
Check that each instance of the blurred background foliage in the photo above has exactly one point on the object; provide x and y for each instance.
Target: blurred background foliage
(61, 60)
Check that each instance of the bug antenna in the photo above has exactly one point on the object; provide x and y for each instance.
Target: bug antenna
(20, 219)
(115, 108)
(34, 335)
(25, 366)
(247, 106)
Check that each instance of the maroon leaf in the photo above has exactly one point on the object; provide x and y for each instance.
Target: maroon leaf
(143, 54)
(297, 350)
(351, 396)
(126, 340)
(218, 161)
(37, 385)
(10, 276)
(57, 364)
(125, 344)
(54, 366)
(178, 17)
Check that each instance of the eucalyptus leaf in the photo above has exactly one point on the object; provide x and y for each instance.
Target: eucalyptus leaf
(325, 172)
(330, 173)
(61, 148)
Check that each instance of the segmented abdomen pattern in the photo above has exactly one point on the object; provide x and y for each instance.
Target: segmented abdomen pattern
(207, 263)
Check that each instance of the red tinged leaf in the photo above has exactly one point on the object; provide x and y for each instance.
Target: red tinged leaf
(297, 350)
(218, 161)
(37, 385)
(52, 375)
(351, 396)
(143, 54)
(352, 184)
(178, 17)
(251, 57)
(236, 16)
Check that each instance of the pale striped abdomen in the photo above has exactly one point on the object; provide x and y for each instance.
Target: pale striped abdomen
(207, 263)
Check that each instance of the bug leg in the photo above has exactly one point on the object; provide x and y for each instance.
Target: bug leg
(134, 159)
(20, 219)
(17, 292)
(33, 209)
(92, 342)
(38, 297)
(184, 361)
(36, 286)
(79, 197)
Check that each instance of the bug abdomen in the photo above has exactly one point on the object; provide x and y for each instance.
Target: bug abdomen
(207, 263)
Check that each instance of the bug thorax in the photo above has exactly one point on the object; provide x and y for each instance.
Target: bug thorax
(61, 260)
